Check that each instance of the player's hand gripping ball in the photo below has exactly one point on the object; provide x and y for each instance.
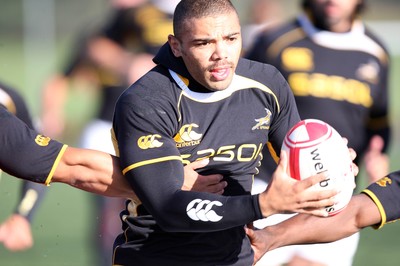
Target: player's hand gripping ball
(313, 146)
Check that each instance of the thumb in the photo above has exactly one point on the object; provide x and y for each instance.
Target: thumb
(249, 232)
(200, 163)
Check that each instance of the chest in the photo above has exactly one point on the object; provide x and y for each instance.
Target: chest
(344, 75)
(228, 130)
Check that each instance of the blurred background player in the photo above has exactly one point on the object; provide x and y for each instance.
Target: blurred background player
(261, 14)
(338, 71)
(16, 231)
(108, 60)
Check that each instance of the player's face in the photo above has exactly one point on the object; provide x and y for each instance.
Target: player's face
(335, 15)
(210, 49)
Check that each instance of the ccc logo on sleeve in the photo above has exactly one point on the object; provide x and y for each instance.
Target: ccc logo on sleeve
(202, 210)
(149, 142)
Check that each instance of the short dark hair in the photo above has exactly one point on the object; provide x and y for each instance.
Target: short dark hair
(306, 4)
(187, 9)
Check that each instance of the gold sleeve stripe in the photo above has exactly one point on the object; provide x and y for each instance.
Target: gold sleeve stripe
(114, 142)
(57, 161)
(272, 152)
(379, 205)
(158, 160)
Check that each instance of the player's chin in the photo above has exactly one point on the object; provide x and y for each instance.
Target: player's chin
(219, 85)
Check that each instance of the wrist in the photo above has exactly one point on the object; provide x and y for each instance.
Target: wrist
(264, 204)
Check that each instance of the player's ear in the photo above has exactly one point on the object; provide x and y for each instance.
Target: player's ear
(175, 45)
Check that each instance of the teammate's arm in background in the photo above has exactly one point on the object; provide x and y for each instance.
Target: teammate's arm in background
(15, 231)
(54, 98)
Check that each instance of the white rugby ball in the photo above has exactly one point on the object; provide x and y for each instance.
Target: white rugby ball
(314, 146)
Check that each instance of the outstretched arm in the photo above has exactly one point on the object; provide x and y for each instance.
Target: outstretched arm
(89, 170)
(307, 229)
(98, 172)
(92, 171)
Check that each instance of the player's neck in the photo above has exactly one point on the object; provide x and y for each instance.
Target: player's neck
(341, 27)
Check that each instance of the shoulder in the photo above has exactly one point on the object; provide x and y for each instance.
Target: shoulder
(372, 35)
(369, 33)
(269, 42)
(152, 84)
(266, 79)
(155, 89)
(261, 72)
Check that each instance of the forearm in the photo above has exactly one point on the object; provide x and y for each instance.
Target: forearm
(361, 212)
(93, 171)
(54, 97)
(116, 59)
(176, 210)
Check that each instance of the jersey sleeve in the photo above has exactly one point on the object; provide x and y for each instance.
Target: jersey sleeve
(153, 166)
(287, 116)
(386, 195)
(285, 119)
(26, 154)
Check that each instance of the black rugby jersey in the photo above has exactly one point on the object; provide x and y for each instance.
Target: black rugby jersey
(24, 153)
(386, 195)
(340, 78)
(166, 120)
(14, 103)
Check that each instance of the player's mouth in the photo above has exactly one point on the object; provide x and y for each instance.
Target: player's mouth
(220, 73)
(331, 10)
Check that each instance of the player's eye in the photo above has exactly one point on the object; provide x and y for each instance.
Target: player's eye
(203, 43)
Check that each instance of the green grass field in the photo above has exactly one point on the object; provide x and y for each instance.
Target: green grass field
(64, 224)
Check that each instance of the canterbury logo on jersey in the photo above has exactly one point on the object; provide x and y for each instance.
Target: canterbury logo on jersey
(368, 72)
(42, 140)
(187, 136)
(201, 210)
(298, 58)
(263, 122)
(149, 142)
(384, 181)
